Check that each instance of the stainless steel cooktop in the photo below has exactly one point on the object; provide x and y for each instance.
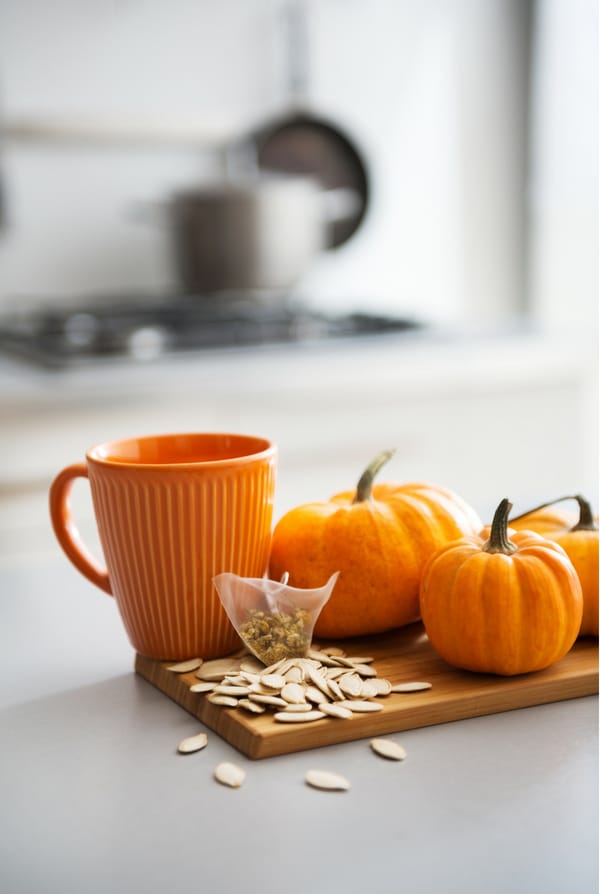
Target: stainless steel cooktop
(142, 329)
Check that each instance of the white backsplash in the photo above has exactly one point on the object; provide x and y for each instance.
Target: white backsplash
(427, 90)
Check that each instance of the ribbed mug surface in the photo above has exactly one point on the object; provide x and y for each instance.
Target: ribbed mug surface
(173, 511)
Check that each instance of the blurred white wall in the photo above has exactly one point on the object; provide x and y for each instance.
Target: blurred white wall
(564, 167)
(434, 93)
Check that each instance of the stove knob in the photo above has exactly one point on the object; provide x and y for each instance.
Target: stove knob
(80, 330)
(147, 342)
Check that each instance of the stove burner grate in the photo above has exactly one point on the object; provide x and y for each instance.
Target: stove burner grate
(145, 330)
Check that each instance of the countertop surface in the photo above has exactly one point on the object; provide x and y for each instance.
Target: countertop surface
(402, 362)
(96, 799)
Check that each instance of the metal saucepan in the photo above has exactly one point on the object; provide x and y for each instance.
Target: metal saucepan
(261, 234)
(256, 234)
(252, 232)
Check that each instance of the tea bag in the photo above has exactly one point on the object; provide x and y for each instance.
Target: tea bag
(273, 620)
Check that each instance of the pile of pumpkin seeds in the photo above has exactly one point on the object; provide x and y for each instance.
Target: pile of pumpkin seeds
(324, 683)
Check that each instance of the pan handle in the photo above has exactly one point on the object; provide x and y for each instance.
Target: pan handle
(296, 31)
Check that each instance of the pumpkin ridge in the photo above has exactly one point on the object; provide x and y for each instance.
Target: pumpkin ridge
(494, 623)
(469, 579)
(417, 524)
(455, 509)
(364, 598)
(528, 574)
(554, 590)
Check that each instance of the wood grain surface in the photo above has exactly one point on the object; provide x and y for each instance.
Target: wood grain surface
(400, 656)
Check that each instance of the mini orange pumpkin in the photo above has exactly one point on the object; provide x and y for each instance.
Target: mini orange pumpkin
(501, 606)
(579, 539)
(378, 537)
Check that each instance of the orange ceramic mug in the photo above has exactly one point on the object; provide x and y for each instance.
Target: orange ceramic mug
(172, 511)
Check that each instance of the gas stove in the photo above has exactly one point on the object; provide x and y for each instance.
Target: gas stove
(141, 329)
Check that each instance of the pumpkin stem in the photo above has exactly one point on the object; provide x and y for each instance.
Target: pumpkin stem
(538, 508)
(365, 482)
(499, 541)
(586, 519)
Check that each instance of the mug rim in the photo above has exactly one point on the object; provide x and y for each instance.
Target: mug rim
(266, 448)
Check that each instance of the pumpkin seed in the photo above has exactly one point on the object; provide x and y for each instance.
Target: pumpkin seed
(318, 679)
(249, 677)
(298, 716)
(323, 659)
(352, 661)
(258, 689)
(193, 743)
(277, 666)
(202, 687)
(267, 700)
(252, 665)
(184, 667)
(294, 675)
(222, 689)
(335, 690)
(359, 706)
(229, 774)
(335, 710)
(351, 685)
(273, 681)
(252, 707)
(333, 673)
(364, 670)
(307, 663)
(226, 701)
(326, 780)
(303, 707)
(218, 668)
(294, 693)
(382, 687)
(386, 748)
(367, 690)
(234, 680)
(415, 686)
(313, 694)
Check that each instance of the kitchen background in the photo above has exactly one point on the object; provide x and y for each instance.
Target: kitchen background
(475, 123)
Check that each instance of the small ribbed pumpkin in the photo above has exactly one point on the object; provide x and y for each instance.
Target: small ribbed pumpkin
(579, 539)
(501, 606)
(378, 537)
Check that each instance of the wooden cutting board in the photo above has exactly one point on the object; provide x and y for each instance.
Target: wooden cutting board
(401, 656)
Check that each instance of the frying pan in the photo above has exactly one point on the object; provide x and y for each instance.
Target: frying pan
(307, 144)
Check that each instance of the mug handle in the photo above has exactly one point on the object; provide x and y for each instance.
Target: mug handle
(66, 530)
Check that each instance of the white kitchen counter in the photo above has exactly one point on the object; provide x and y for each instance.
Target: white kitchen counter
(413, 362)
(95, 798)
